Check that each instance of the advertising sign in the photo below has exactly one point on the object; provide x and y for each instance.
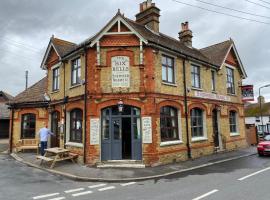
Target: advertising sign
(247, 93)
(120, 72)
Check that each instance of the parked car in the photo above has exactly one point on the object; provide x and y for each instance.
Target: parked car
(263, 147)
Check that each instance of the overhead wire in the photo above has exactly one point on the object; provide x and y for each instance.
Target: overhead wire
(264, 1)
(222, 13)
(258, 4)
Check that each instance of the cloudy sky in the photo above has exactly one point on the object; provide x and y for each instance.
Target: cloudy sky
(27, 25)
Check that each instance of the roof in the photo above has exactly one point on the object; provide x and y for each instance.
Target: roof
(33, 94)
(4, 111)
(217, 52)
(253, 110)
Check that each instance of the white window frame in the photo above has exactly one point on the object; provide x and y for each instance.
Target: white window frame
(200, 138)
(233, 69)
(213, 80)
(237, 124)
(174, 83)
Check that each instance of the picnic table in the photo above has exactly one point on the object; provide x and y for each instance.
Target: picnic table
(57, 154)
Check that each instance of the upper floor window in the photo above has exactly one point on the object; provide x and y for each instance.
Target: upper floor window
(168, 124)
(195, 76)
(76, 72)
(213, 80)
(76, 117)
(230, 81)
(197, 122)
(28, 126)
(233, 121)
(56, 78)
(168, 69)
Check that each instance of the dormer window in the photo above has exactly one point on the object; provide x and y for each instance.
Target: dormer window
(230, 81)
(76, 72)
(56, 78)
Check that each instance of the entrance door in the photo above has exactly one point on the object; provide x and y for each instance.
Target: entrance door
(116, 142)
(55, 118)
(215, 127)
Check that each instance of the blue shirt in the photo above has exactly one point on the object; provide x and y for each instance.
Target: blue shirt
(44, 134)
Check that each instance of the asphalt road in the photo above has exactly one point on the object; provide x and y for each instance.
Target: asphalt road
(242, 179)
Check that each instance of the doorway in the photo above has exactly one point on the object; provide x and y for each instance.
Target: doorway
(121, 134)
(215, 123)
(55, 118)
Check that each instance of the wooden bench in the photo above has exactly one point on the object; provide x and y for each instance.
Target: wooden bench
(28, 144)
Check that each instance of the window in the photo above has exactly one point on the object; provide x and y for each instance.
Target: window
(168, 124)
(168, 69)
(76, 72)
(56, 77)
(197, 123)
(28, 126)
(195, 76)
(257, 119)
(233, 122)
(230, 81)
(213, 80)
(76, 125)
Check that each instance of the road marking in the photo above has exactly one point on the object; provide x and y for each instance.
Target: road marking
(58, 198)
(96, 186)
(45, 195)
(206, 194)
(74, 190)
(253, 174)
(126, 184)
(82, 193)
(106, 188)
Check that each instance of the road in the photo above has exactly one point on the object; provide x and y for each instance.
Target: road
(242, 179)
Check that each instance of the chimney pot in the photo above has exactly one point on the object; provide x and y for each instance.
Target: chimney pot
(185, 35)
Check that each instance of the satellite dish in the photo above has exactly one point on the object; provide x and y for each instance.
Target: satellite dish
(47, 97)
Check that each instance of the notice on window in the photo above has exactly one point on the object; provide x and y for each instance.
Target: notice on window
(120, 72)
(147, 130)
(94, 131)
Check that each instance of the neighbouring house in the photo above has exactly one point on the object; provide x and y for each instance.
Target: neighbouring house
(4, 114)
(131, 92)
(260, 117)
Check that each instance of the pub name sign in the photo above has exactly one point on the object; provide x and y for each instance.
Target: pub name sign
(120, 72)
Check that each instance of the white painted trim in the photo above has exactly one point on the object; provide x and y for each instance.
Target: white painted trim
(56, 65)
(174, 67)
(47, 54)
(234, 134)
(119, 33)
(229, 66)
(162, 144)
(74, 144)
(204, 137)
(196, 139)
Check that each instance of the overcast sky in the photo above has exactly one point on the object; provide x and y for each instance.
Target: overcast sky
(27, 25)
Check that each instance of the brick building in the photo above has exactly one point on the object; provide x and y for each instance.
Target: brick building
(131, 92)
(4, 114)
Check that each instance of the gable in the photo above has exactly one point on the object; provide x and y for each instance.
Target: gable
(231, 59)
(52, 58)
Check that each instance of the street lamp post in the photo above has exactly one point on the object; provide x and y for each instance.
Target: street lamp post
(268, 85)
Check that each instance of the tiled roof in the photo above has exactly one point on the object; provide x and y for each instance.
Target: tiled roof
(6, 95)
(217, 52)
(35, 93)
(62, 46)
(4, 111)
(253, 110)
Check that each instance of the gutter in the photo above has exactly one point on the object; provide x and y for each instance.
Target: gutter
(11, 130)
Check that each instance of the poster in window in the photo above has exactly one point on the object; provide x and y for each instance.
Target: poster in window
(247, 93)
(94, 131)
(120, 72)
(147, 130)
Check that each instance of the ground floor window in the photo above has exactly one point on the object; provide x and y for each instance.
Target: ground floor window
(196, 119)
(233, 121)
(28, 126)
(168, 124)
(76, 117)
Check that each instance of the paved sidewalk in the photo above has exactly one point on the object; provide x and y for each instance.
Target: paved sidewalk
(4, 144)
(85, 173)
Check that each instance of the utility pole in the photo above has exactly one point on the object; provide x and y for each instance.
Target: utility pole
(26, 79)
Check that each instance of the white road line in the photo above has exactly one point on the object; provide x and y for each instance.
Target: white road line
(74, 190)
(96, 186)
(253, 174)
(206, 194)
(58, 198)
(45, 195)
(126, 184)
(82, 193)
(106, 188)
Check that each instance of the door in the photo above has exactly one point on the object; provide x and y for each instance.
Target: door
(116, 142)
(215, 127)
(55, 118)
(136, 138)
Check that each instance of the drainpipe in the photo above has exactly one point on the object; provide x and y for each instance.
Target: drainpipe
(65, 113)
(186, 109)
(11, 131)
(85, 104)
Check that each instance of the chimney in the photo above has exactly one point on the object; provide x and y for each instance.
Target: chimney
(261, 98)
(149, 15)
(185, 35)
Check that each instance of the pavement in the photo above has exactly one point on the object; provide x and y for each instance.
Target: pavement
(4, 145)
(86, 173)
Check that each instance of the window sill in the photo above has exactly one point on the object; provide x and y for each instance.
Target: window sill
(234, 95)
(55, 91)
(75, 86)
(234, 134)
(198, 139)
(214, 92)
(168, 143)
(169, 84)
(74, 144)
(198, 89)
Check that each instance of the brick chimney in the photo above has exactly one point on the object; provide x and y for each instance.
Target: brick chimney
(149, 15)
(185, 35)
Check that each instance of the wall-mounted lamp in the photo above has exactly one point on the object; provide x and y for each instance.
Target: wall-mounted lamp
(120, 105)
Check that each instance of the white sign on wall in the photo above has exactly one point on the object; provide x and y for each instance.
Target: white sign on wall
(147, 130)
(207, 95)
(120, 71)
(94, 131)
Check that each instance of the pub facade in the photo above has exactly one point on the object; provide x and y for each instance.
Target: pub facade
(133, 93)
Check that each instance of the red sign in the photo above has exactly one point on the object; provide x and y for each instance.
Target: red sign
(247, 93)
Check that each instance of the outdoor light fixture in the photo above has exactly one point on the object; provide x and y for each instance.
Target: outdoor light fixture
(120, 105)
